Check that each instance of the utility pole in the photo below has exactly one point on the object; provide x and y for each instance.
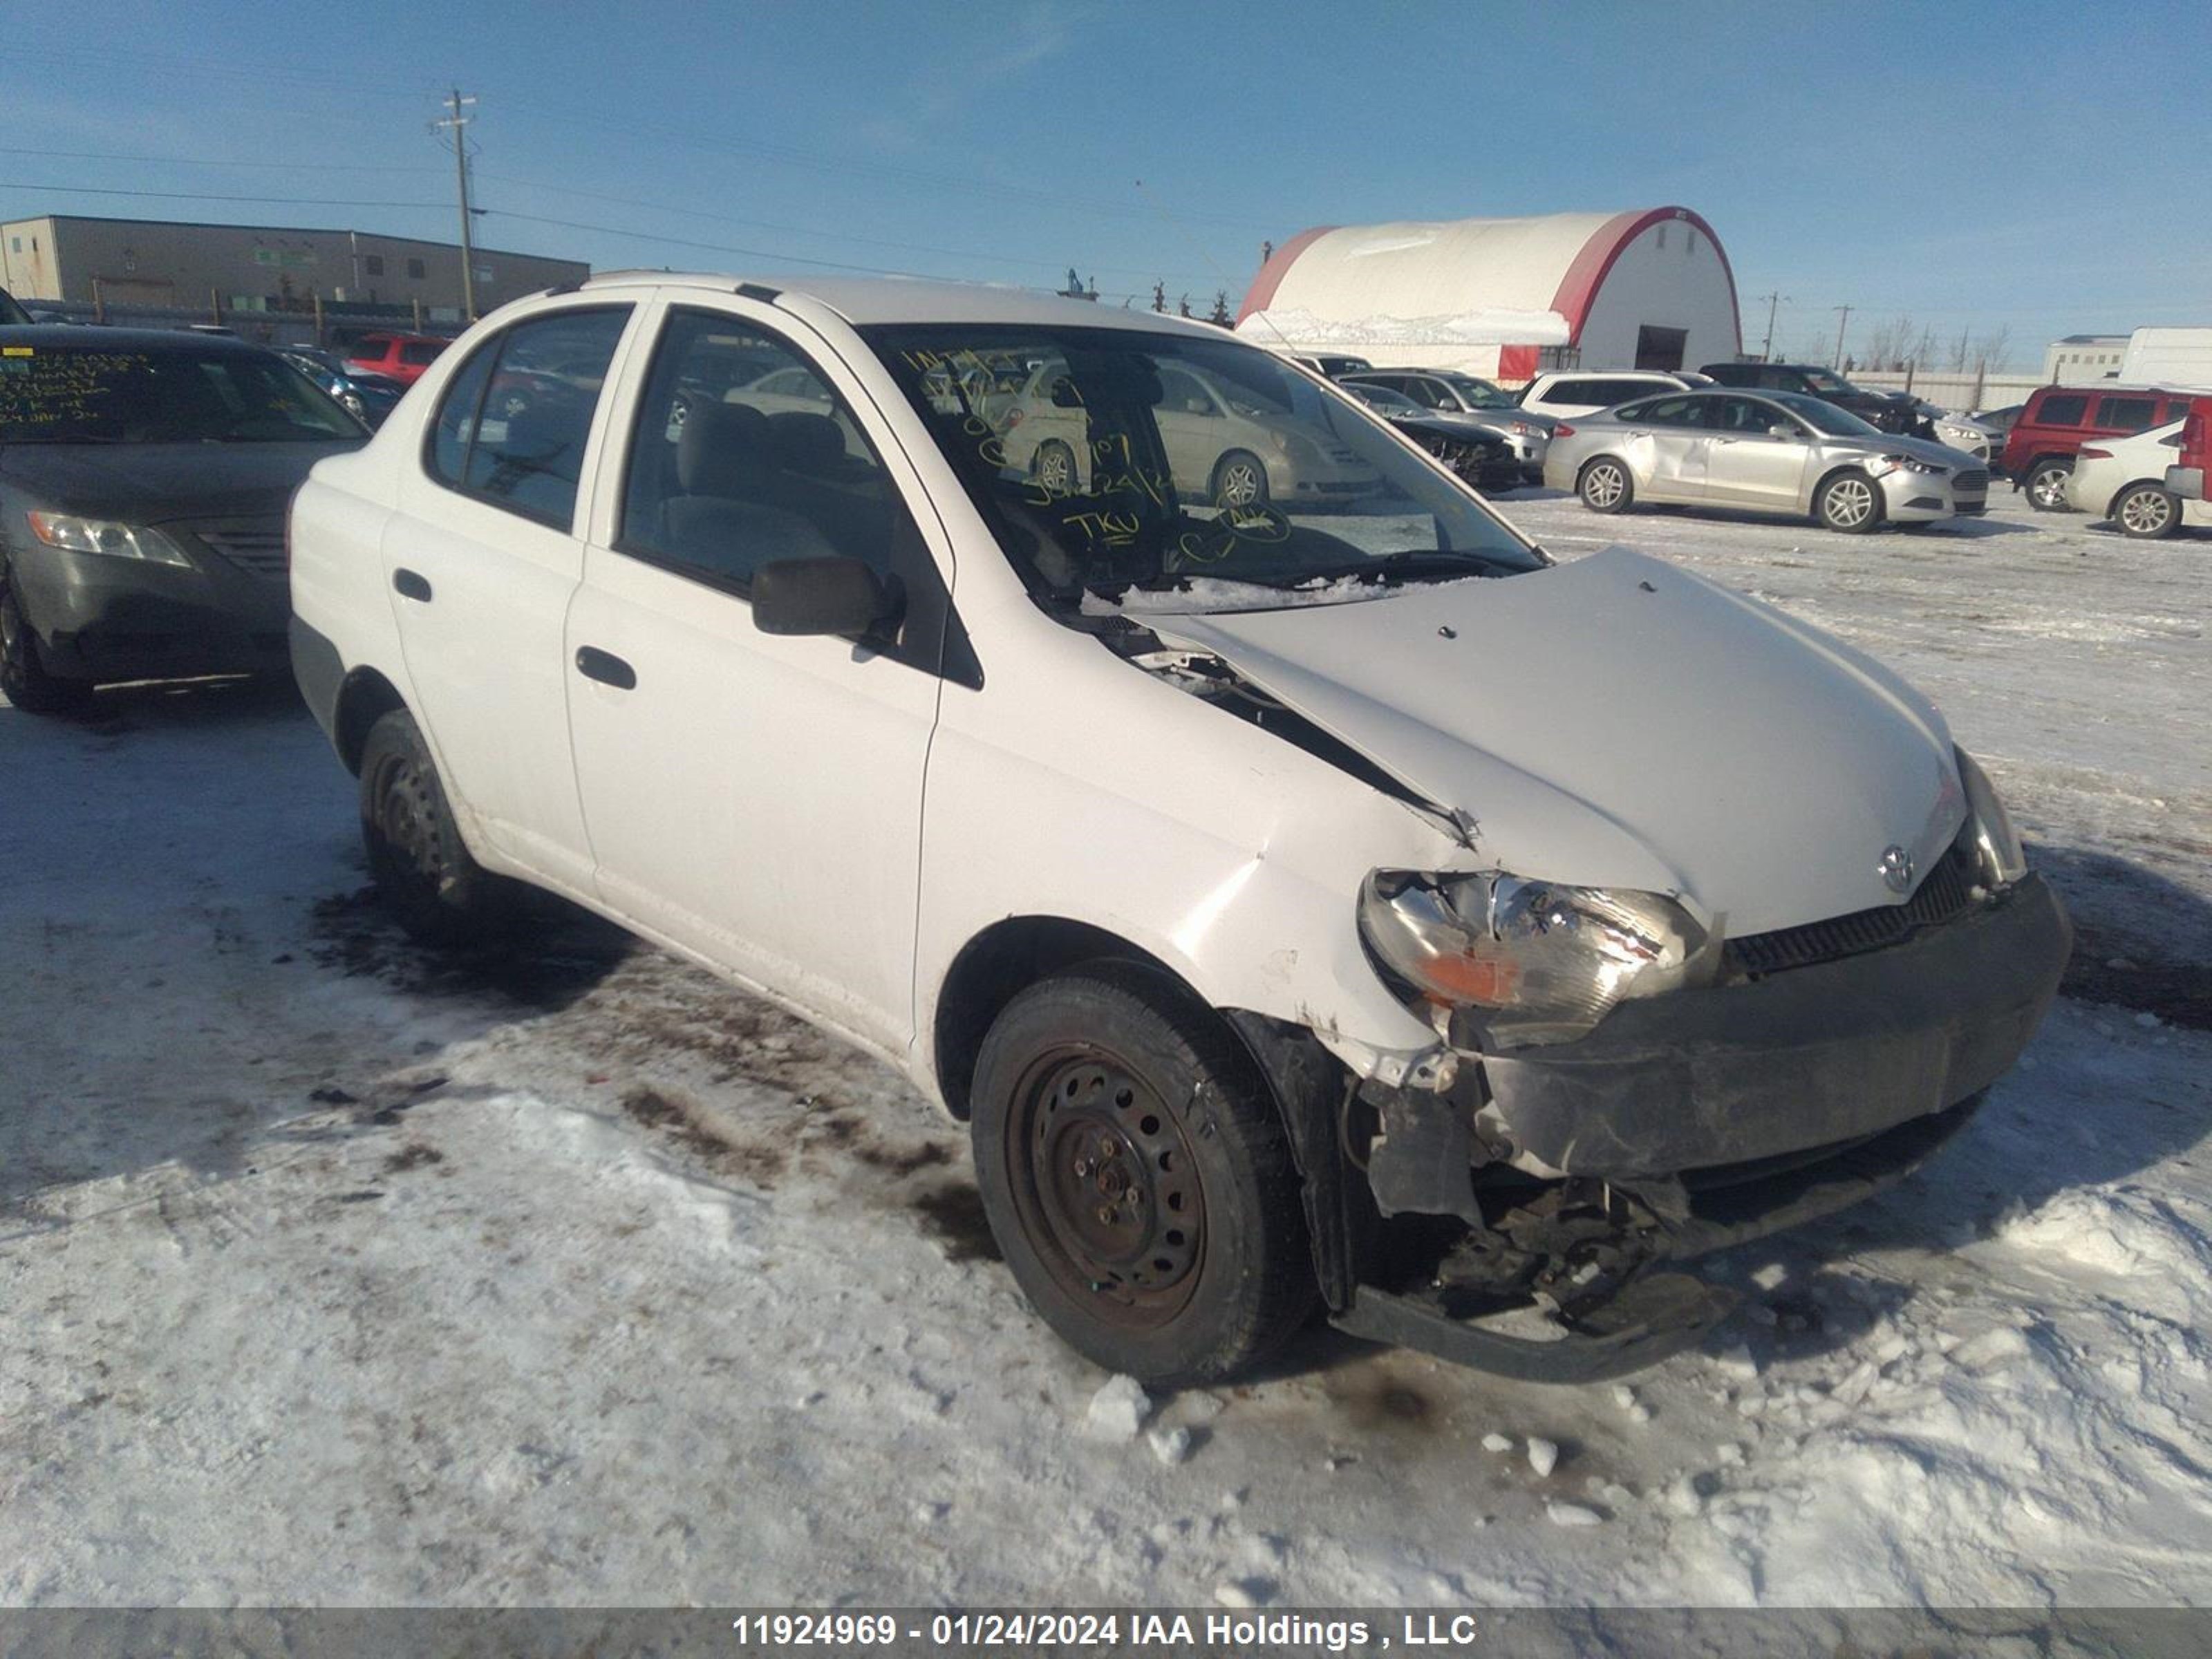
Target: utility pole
(1840, 322)
(454, 105)
(1766, 346)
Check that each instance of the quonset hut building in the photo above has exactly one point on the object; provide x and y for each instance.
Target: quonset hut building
(1647, 289)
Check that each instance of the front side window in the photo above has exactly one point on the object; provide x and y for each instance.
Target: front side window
(743, 454)
(96, 394)
(1824, 417)
(512, 432)
(419, 351)
(1668, 411)
(1743, 415)
(1085, 451)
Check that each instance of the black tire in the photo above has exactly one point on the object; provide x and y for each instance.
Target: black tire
(24, 680)
(1605, 485)
(1137, 1177)
(2147, 512)
(2045, 484)
(422, 869)
(1849, 502)
(1055, 466)
(1240, 479)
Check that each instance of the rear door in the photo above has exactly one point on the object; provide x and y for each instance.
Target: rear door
(2122, 413)
(1668, 445)
(481, 558)
(754, 797)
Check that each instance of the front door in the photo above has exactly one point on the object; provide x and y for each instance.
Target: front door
(755, 798)
(1747, 465)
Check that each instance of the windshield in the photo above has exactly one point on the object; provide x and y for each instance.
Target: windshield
(162, 395)
(1824, 418)
(1477, 394)
(1825, 381)
(1396, 404)
(1198, 473)
(9, 310)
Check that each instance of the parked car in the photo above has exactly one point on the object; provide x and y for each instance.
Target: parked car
(401, 357)
(1772, 453)
(143, 477)
(1450, 392)
(2058, 420)
(1564, 393)
(11, 313)
(1476, 454)
(1299, 904)
(2124, 480)
(1329, 365)
(368, 397)
(1967, 433)
(1224, 442)
(1887, 411)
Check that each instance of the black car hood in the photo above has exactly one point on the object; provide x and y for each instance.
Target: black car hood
(151, 484)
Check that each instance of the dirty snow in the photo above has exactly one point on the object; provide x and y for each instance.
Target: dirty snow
(340, 1273)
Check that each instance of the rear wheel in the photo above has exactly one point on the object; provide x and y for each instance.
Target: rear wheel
(2147, 513)
(1240, 479)
(1850, 503)
(23, 676)
(423, 870)
(1606, 487)
(1137, 1177)
(1055, 467)
(2045, 483)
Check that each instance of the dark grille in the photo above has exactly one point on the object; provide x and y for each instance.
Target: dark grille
(1941, 896)
(1974, 483)
(257, 545)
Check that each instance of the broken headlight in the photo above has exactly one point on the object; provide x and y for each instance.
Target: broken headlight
(1537, 961)
(1998, 850)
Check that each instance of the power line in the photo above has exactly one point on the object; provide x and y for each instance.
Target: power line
(209, 162)
(204, 196)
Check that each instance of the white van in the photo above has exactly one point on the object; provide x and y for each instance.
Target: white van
(1304, 898)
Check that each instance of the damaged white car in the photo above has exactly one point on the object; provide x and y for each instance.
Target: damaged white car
(1320, 896)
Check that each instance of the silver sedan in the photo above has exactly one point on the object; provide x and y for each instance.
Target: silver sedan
(1770, 452)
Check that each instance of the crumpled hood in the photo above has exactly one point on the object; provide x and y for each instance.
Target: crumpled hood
(1619, 721)
(152, 483)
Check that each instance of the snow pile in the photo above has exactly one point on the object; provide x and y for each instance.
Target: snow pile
(1305, 331)
(1118, 1410)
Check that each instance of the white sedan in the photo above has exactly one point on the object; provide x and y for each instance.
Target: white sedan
(2123, 479)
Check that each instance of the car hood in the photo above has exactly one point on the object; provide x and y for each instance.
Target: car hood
(1618, 721)
(1926, 449)
(151, 484)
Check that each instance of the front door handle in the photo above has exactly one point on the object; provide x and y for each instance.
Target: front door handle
(607, 668)
(411, 585)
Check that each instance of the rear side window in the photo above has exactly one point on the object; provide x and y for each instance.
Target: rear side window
(2061, 411)
(1573, 392)
(2126, 414)
(419, 351)
(743, 454)
(511, 427)
(1672, 411)
(369, 348)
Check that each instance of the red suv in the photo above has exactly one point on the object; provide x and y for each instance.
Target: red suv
(2058, 420)
(400, 357)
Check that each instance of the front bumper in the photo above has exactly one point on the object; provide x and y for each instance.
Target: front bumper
(1813, 1057)
(100, 618)
(1923, 497)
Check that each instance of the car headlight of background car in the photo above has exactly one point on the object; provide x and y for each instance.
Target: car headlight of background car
(121, 541)
(1540, 961)
(1997, 843)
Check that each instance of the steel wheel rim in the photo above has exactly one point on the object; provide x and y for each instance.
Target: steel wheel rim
(2146, 511)
(1850, 502)
(1601, 485)
(406, 824)
(1106, 1187)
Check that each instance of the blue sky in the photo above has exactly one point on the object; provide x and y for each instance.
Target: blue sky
(2036, 168)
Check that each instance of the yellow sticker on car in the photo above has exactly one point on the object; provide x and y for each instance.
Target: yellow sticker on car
(15, 351)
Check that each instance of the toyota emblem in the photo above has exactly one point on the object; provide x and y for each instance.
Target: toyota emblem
(1896, 867)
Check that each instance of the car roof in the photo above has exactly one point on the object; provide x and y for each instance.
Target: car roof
(79, 337)
(865, 299)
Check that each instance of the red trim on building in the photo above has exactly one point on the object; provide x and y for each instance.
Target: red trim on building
(1578, 288)
(1261, 294)
(1517, 362)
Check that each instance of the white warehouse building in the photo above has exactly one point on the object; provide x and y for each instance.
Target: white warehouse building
(1649, 287)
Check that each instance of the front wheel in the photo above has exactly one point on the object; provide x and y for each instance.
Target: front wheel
(1849, 502)
(1055, 468)
(2147, 513)
(1240, 479)
(23, 676)
(2045, 484)
(1606, 487)
(1137, 1177)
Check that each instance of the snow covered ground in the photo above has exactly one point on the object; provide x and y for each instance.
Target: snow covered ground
(335, 1273)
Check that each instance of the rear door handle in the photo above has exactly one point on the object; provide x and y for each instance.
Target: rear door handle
(411, 585)
(607, 668)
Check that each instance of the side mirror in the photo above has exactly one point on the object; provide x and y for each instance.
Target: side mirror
(823, 596)
(1778, 430)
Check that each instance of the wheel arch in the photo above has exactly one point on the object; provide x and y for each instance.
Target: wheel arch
(364, 697)
(1812, 496)
(2113, 503)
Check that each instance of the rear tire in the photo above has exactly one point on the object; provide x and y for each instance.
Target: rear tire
(1849, 502)
(422, 869)
(23, 676)
(1137, 1177)
(1605, 486)
(1240, 479)
(2147, 513)
(2045, 484)
(1054, 468)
